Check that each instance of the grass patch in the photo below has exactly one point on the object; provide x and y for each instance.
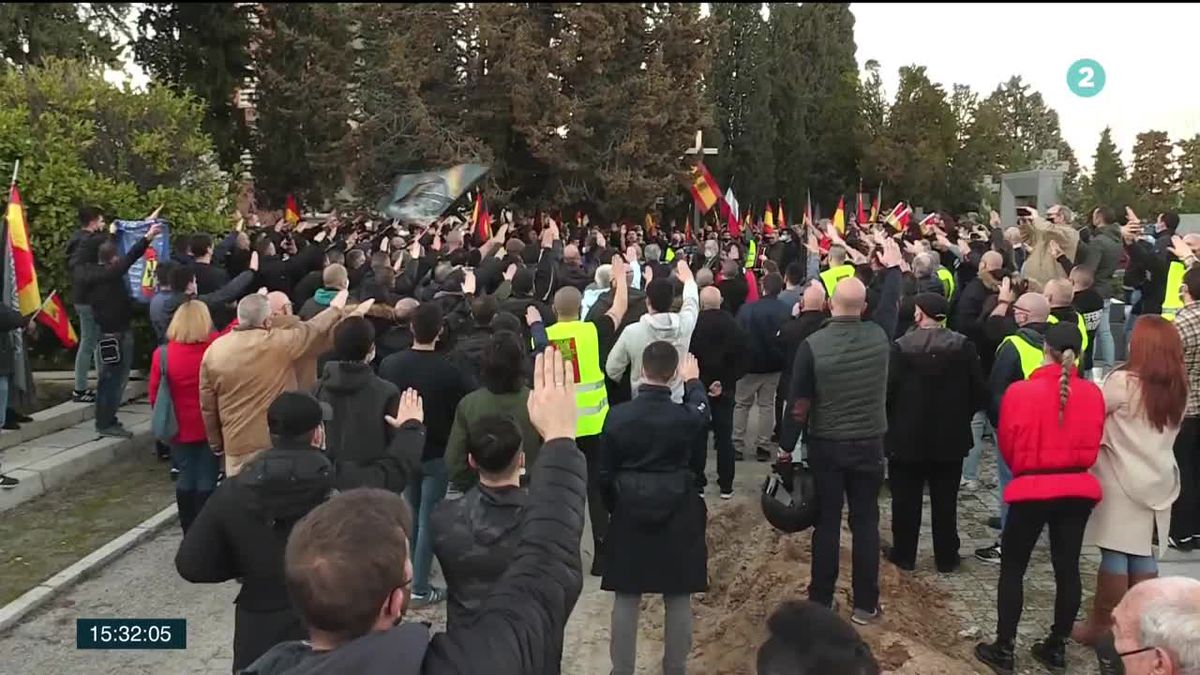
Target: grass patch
(46, 535)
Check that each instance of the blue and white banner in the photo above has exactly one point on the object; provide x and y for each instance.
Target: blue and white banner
(143, 275)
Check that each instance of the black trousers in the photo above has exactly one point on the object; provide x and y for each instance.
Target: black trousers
(908, 481)
(846, 471)
(590, 447)
(1067, 519)
(721, 408)
(1185, 512)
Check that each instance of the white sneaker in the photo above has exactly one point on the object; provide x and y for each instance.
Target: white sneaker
(727, 495)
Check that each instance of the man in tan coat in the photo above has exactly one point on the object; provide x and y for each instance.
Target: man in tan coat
(243, 371)
(1037, 234)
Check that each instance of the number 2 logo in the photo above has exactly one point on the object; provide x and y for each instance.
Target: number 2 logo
(1086, 78)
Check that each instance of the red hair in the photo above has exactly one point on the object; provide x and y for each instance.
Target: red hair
(1156, 358)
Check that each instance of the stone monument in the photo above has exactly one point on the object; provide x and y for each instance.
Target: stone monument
(1039, 187)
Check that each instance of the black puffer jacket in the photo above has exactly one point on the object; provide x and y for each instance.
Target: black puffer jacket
(365, 450)
(106, 287)
(761, 321)
(241, 533)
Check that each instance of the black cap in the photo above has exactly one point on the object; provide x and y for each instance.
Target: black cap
(1062, 336)
(934, 305)
(295, 413)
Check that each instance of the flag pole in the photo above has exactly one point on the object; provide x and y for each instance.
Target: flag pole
(16, 168)
(43, 305)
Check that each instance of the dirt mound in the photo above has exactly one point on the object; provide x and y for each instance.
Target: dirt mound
(752, 568)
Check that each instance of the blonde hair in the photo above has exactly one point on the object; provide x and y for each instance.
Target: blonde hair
(1066, 359)
(191, 324)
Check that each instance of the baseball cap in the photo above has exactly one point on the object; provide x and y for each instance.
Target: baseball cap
(296, 413)
(934, 305)
(1063, 335)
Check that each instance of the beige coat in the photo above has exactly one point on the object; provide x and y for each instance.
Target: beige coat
(242, 373)
(1041, 265)
(1137, 470)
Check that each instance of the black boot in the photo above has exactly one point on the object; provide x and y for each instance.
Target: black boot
(1051, 653)
(185, 500)
(21, 418)
(998, 656)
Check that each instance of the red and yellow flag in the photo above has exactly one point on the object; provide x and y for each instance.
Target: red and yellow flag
(768, 220)
(782, 221)
(808, 212)
(481, 219)
(704, 188)
(54, 317)
(291, 212)
(839, 216)
(899, 217)
(28, 296)
(861, 216)
(875, 205)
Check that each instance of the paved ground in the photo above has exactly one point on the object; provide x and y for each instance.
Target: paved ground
(144, 584)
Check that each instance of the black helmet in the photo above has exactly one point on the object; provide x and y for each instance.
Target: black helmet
(789, 497)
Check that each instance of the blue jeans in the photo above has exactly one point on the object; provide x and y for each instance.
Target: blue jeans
(423, 495)
(979, 426)
(110, 387)
(1105, 351)
(1005, 475)
(3, 399)
(198, 467)
(85, 354)
(1116, 562)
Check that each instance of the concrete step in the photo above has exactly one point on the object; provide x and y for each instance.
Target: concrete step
(59, 417)
(45, 462)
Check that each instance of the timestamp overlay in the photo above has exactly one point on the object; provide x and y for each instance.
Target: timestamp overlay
(131, 633)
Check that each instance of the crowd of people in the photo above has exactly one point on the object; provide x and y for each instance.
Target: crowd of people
(353, 399)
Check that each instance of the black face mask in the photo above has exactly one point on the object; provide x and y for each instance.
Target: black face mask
(1109, 658)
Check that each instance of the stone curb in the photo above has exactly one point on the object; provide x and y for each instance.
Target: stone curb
(12, 613)
(62, 416)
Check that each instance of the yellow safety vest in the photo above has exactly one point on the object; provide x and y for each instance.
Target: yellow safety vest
(1031, 357)
(751, 254)
(833, 275)
(579, 343)
(947, 279)
(1082, 329)
(1173, 298)
(670, 255)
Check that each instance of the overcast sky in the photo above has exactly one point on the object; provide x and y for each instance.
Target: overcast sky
(1149, 53)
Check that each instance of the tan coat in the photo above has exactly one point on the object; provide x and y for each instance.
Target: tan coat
(1137, 471)
(242, 373)
(1041, 265)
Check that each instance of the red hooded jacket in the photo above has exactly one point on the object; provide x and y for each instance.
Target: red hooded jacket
(1050, 460)
(183, 379)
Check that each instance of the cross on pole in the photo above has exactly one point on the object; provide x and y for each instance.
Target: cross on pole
(699, 151)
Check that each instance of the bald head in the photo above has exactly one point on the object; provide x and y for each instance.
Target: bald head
(280, 303)
(1193, 241)
(704, 277)
(1060, 293)
(405, 308)
(1164, 614)
(710, 298)
(814, 297)
(849, 298)
(1033, 308)
(567, 302)
(571, 254)
(991, 261)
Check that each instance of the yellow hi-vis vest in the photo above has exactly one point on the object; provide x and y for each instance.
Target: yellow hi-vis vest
(670, 257)
(1082, 331)
(579, 344)
(947, 278)
(1031, 356)
(833, 275)
(751, 254)
(1173, 298)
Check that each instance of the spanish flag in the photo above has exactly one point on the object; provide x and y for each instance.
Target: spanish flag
(651, 228)
(704, 188)
(839, 216)
(28, 296)
(291, 212)
(54, 317)
(481, 219)
(768, 220)
(899, 217)
(861, 216)
(875, 205)
(782, 220)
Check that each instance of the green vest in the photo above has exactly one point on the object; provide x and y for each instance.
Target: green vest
(1082, 330)
(947, 279)
(833, 275)
(579, 344)
(751, 254)
(1031, 357)
(1173, 298)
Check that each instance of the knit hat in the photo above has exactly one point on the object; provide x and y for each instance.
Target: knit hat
(296, 413)
(1064, 335)
(934, 305)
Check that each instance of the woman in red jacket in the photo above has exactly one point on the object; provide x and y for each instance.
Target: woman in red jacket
(188, 336)
(1049, 434)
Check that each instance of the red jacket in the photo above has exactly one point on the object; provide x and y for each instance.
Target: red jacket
(183, 377)
(1051, 460)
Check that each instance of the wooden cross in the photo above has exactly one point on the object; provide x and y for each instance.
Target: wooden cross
(699, 151)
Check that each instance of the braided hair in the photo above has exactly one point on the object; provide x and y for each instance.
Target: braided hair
(1066, 359)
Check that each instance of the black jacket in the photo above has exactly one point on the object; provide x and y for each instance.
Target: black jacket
(1148, 266)
(762, 320)
(649, 460)
(967, 316)
(792, 333)
(365, 450)
(468, 349)
(106, 287)
(1007, 367)
(308, 285)
(395, 339)
(78, 292)
(242, 530)
(475, 539)
(935, 387)
(209, 278)
(10, 320)
(278, 274)
(519, 628)
(719, 345)
(734, 293)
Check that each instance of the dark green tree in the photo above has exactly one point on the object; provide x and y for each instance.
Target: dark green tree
(203, 48)
(88, 32)
(1154, 177)
(789, 104)
(304, 61)
(874, 123)
(1108, 184)
(922, 131)
(1189, 175)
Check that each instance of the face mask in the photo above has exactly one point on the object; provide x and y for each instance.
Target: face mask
(1109, 658)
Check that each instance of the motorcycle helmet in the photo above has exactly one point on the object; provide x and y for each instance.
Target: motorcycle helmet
(789, 497)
